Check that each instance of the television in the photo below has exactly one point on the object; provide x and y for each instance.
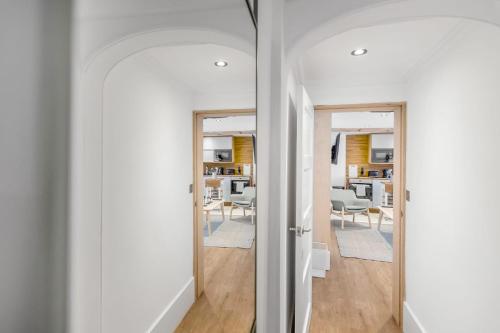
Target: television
(254, 146)
(335, 150)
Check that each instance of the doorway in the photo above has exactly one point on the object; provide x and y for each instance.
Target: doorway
(224, 210)
(365, 284)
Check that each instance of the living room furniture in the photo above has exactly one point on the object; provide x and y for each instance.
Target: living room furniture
(384, 212)
(214, 187)
(345, 202)
(214, 205)
(245, 200)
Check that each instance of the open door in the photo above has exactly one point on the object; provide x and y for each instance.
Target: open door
(304, 212)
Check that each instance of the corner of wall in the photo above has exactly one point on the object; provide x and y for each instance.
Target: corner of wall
(170, 318)
(411, 324)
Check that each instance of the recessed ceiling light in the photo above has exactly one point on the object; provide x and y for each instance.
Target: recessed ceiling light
(359, 52)
(220, 63)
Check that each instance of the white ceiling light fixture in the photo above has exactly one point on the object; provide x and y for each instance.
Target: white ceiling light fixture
(221, 63)
(359, 52)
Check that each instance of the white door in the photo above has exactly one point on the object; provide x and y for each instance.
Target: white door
(304, 213)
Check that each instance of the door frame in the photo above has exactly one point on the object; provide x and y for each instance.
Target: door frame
(198, 253)
(399, 192)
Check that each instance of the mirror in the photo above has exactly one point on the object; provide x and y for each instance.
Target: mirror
(168, 242)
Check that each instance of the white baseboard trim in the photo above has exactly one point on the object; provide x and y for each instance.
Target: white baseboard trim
(411, 324)
(170, 318)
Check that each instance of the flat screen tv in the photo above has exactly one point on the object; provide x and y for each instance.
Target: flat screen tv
(335, 150)
(254, 145)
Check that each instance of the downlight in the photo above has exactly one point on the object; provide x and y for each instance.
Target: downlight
(359, 52)
(221, 63)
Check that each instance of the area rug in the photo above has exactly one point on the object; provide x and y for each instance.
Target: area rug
(238, 232)
(214, 225)
(358, 240)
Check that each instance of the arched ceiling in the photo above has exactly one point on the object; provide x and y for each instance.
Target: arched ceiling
(193, 66)
(394, 52)
(102, 23)
(309, 22)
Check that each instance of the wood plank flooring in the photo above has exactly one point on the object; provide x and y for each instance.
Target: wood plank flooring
(228, 303)
(355, 296)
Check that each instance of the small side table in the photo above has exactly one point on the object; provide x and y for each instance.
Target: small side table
(214, 205)
(385, 211)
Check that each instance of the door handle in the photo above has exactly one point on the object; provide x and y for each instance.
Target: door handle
(299, 231)
(296, 230)
(304, 230)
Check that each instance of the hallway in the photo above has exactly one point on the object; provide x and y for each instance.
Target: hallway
(227, 305)
(355, 296)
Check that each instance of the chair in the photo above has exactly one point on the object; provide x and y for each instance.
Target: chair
(214, 188)
(245, 200)
(346, 202)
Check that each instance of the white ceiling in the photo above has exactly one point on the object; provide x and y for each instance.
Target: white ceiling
(394, 50)
(117, 8)
(193, 66)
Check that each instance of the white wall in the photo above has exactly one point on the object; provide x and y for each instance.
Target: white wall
(236, 123)
(353, 95)
(34, 96)
(231, 100)
(271, 158)
(452, 264)
(365, 119)
(147, 230)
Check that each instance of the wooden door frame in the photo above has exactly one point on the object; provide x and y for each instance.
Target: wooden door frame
(399, 109)
(198, 253)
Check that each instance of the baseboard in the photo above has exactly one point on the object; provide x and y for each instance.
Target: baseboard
(170, 318)
(411, 324)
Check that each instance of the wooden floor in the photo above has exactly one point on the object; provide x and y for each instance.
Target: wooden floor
(355, 296)
(228, 303)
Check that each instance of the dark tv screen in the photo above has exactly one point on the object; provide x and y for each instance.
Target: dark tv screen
(335, 150)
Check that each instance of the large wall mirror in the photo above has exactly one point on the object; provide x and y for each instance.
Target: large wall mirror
(165, 209)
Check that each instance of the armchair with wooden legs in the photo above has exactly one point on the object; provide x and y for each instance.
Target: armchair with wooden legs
(345, 202)
(245, 200)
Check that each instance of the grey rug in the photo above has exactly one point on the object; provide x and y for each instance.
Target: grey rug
(358, 240)
(238, 232)
(214, 225)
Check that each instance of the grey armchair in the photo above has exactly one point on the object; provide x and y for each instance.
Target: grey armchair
(245, 200)
(346, 202)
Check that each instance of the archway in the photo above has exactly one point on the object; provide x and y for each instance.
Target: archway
(485, 12)
(383, 13)
(87, 161)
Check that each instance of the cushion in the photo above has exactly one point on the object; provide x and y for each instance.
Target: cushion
(356, 208)
(242, 203)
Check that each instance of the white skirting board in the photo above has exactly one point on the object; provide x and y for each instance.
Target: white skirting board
(411, 324)
(170, 318)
